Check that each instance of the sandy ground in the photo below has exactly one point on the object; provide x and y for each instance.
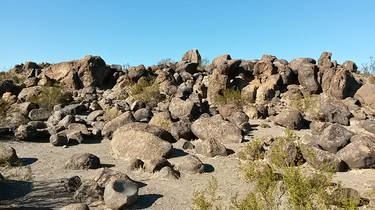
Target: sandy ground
(47, 161)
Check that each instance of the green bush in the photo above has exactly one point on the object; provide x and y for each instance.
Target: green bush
(206, 199)
(230, 96)
(252, 150)
(146, 90)
(308, 105)
(11, 76)
(51, 96)
(111, 113)
(303, 191)
(4, 108)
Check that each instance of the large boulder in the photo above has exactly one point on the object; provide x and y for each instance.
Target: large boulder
(334, 110)
(119, 121)
(216, 128)
(144, 127)
(297, 63)
(39, 114)
(120, 193)
(192, 56)
(30, 133)
(217, 82)
(366, 95)
(89, 192)
(368, 125)
(221, 59)
(82, 162)
(291, 119)
(105, 175)
(27, 93)
(59, 139)
(308, 78)
(334, 138)
(210, 148)
(360, 153)
(323, 160)
(182, 109)
(325, 60)
(91, 71)
(339, 84)
(188, 164)
(8, 156)
(144, 146)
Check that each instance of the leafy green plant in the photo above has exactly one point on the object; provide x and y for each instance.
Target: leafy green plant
(146, 90)
(206, 198)
(51, 96)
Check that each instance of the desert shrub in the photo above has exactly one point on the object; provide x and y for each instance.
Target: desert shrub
(308, 105)
(204, 62)
(4, 108)
(230, 95)
(165, 124)
(111, 113)
(369, 70)
(206, 199)
(51, 96)
(11, 76)
(252, 150)
(146, 90)
(303, 191)
(165, 61)
(250, 202)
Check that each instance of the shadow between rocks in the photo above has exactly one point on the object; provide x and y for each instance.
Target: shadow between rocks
(146, 201)
(177, 153)
(106, 165)
(28, 161)
(208, 168)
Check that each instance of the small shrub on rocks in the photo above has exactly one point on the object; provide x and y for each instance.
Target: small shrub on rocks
(51, 96)
(146, 90)
(111, 113)
(4, 108)
(11, 76)
(308, 105)
(230, 96)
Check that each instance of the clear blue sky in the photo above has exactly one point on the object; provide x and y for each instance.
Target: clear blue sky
(140, 31)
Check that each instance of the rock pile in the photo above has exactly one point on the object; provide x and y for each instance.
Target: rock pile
(144, 110)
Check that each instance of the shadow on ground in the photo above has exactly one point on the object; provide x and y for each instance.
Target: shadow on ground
(146, 201)
(36, 195)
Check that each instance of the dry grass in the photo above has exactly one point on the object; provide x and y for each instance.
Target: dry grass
(112, 113)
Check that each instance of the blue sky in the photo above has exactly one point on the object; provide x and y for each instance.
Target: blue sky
(140, 31)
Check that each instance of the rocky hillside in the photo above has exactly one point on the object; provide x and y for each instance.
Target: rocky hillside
(150, 115)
